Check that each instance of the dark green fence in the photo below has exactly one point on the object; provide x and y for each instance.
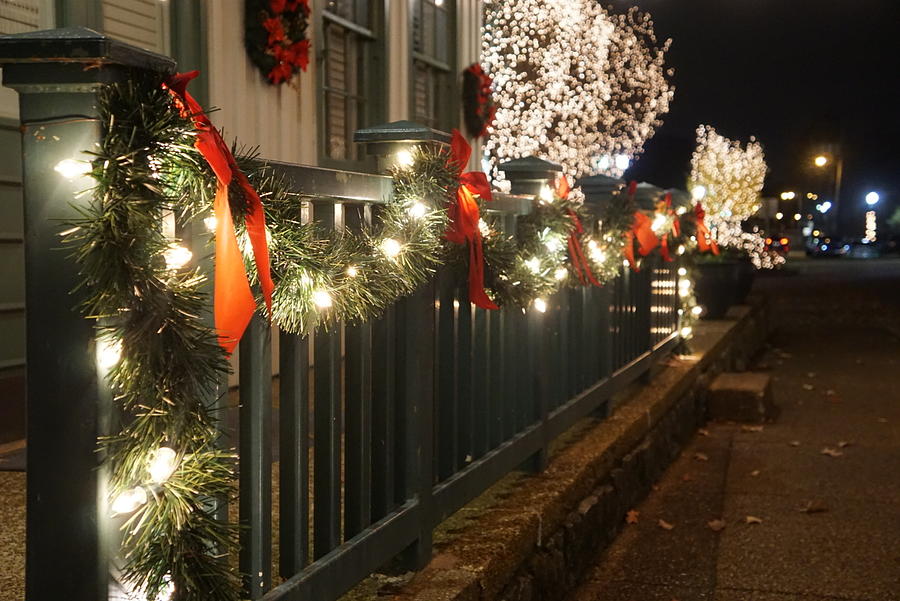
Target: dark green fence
(380, 430)
(387, 428)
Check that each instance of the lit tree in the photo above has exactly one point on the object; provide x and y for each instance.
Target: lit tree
(573, 83)
(728, 178)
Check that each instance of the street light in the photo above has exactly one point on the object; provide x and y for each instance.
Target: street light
(872, 198)
(820, 161)
(788, 195)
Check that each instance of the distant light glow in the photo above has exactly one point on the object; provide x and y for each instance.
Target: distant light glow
(698, 192)
(391, 248)
(129, 500)
(417, 210)
(820, 161)
(540, 304)
(177, 256)
(779, 215)
(872, 198)
(404, 158)
(322, 299)
(623, 162)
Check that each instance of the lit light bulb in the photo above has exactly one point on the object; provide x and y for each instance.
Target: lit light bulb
(322, 299)
(681, 249)
(553, 244)
(697, 310)
(698, 192)
(597, 255)
(682, 271)
(622, 162)
(109, 352)
(176, 256)
(534, 264)
(129, 500)
(162, 464)
(210, 222)
(686, 331)
(681, 210)
(391, 248)
(352, 271)
(540, 304)
(561, 273)
(404, 158)
(417, 210)
(70, 168)
(625, 263)
(659, 222)
(546, 194)
(483, 227)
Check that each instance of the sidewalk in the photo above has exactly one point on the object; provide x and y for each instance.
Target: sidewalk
(810, 504)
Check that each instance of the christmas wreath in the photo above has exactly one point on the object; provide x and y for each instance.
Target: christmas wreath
(276, 37)
(478, 104)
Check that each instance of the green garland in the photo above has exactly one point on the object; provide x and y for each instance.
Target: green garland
(153, 317)
(165, 465)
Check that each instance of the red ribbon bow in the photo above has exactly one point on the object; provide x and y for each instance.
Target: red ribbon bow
(676, 228)
(234, 303)
(641, 231)
(576, 255)
(464, 217)
(705, 240)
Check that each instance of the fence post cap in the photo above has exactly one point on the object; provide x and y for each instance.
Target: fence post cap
(78, 45)
(529, 167)
(400, 131)
(600, 184)
(647, 195)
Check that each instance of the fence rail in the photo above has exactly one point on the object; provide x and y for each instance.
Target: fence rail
(380, 430)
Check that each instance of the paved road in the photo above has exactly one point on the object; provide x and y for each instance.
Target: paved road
(835, 363)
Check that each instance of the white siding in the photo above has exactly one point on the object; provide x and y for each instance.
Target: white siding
(19, 16)
(142, 23)
(280, 120)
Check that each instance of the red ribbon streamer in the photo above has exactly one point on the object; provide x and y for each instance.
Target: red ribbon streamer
(641, 231)
(464, 217)
(705, 240)
(664, 239)
(576, 254)
(234, 303)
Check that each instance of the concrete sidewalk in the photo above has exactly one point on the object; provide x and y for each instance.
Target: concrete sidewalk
(811, 503)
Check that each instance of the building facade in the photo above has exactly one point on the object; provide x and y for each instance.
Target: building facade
(371, 61)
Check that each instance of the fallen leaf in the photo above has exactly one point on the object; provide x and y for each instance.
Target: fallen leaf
(811, 374)
(794, 443)
(655, 487)
(746, 428)
(831, 452)
(687, 478)
(665, 525)
(814, 507)
(703, 432)
(752, 519)
(808, 387)
(882, 420)
(716, 525)
(830, 392)
(754, 473)
(785, 355)
(859, 361)
(632, 516)
(842, 444)
(701, 456)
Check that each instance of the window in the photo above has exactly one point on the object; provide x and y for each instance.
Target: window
(434, 82)
(350, 76)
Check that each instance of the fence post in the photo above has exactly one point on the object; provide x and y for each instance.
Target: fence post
(534, 176)
(58, 74)
(416, 351)
(599, 191)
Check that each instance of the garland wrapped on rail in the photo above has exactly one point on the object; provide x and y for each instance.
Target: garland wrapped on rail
(162, 356)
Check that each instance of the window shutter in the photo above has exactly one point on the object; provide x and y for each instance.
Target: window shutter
(142, 23)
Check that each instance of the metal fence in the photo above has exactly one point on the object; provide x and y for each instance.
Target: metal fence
(380, 430)
(386, 428)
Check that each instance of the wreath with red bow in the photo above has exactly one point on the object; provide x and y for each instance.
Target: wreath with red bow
(276, 37)
(478, 102)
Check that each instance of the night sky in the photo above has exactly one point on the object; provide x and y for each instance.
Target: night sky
(794, 73)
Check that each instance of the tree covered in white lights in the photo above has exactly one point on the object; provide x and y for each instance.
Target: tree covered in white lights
(573, 83)
(727, 177)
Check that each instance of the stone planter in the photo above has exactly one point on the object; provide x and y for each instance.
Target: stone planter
(717, 286)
